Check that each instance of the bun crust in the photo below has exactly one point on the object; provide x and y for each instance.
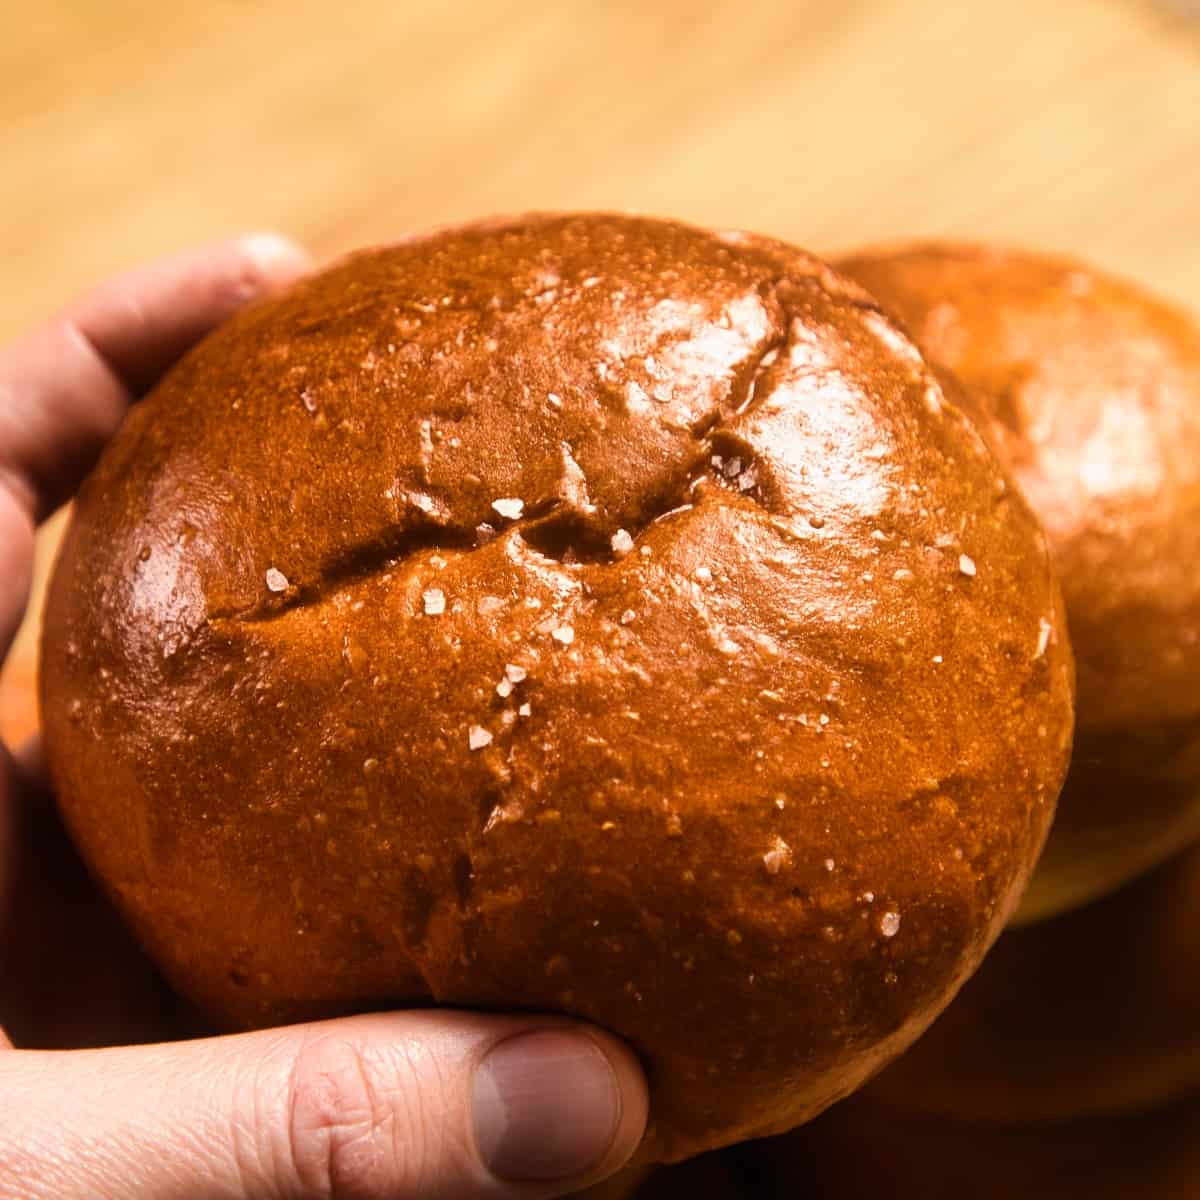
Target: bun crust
(588, 614)
(1090, 391)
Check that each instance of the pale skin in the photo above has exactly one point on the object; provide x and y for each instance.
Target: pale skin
(104, 1089)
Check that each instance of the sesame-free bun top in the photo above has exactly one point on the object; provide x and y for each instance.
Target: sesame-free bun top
(1090, 390)
(587, 614)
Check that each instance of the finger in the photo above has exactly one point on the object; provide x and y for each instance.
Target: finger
(414, 1105)
(65, 385)
(16, 558)
(9, 839)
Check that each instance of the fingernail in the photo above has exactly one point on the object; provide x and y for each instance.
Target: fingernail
(546, 1105)
(273, 255)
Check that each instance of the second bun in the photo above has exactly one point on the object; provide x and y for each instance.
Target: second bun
(1090, 391)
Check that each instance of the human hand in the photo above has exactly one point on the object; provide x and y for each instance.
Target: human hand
(420, 1104)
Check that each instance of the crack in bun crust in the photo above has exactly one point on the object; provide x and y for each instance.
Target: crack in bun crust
(586, 614)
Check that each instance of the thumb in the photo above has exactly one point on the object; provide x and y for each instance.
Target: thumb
(412, 1105)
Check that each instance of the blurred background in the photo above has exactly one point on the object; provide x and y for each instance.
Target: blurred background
(129, 129)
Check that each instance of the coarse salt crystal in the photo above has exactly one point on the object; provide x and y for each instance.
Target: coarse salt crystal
(478, 737)
(622, 542)
(514, 673)
(435, 602)
(778, 857)
(889, 924)
(564, 634)
(488, 604)
(1044, 628)
(703, 574)
(635, 395)
(525, 709)
(966, 564)
(509, 507)
(504, 689)
(277, 581)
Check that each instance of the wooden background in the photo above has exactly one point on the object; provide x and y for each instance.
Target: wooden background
(128, 129)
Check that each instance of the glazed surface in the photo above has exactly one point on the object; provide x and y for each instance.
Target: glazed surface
(588, 614)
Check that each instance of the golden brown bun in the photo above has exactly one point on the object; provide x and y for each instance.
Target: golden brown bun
(862, 1151)
(739, 736)
(1095, 1011)
(1092, 396)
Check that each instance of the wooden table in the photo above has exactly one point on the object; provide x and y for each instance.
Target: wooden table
(129, 128)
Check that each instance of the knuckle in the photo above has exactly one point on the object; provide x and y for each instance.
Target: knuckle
(342, 1122)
